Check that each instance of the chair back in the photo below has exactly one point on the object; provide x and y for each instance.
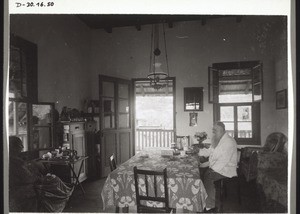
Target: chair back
(150, 197)
(179, 138)
(112, 162)
(275, 142)
(239, 153)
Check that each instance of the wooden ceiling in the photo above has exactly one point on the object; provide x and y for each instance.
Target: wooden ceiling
(108, 22)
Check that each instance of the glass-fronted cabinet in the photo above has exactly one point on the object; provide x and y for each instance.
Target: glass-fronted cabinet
(18, 121)
(33, 123)
(42, 125)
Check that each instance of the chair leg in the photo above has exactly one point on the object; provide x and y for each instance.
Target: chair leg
(122, 209)
(222, 194)
(125, 209)
(239, 190)
(224, 187)
(219, 195)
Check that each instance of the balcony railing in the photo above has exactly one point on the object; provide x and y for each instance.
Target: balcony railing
(153, 138)
(241, 133)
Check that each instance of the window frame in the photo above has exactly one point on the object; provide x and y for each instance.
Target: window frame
(241, 141)
(213, 84)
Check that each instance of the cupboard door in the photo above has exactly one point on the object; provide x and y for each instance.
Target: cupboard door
(79, 146)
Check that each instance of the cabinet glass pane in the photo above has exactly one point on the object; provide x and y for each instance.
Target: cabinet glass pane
(124, 120)
(109, 121)
(108, 89)
(123, 91)
(123, 106)
(226, 113)
(41, 115)
(18, 122)
(41, 138)
(108, 105)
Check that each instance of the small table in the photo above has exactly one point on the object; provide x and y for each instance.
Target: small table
(69, 162)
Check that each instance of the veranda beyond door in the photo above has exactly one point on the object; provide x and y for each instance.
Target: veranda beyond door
(154, 114)
(115, 121)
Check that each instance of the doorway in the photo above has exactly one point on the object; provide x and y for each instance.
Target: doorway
(154, 114)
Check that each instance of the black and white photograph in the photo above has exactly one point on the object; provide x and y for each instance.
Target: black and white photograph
(103, 110)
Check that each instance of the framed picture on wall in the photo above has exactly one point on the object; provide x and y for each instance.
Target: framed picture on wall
(193, 119)
(281, 99)
(193, 99)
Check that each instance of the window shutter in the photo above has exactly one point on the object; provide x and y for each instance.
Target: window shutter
(213, 85)
(257, 83)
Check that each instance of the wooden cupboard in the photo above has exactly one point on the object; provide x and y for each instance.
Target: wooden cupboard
(74, 139)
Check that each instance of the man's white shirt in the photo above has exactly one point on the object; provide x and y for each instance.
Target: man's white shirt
(223, 158)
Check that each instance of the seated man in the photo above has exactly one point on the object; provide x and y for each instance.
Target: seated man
(25, 180)
(222, 162)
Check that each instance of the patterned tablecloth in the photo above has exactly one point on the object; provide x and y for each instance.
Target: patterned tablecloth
(186, 190)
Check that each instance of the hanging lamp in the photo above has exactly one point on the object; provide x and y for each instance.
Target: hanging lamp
(156, 75)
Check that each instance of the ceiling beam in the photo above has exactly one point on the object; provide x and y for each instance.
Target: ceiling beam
(138, 27)
(108, 29)
(170, 24)
(238, 19)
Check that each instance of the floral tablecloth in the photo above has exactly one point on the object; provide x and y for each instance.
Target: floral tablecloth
(186, 190)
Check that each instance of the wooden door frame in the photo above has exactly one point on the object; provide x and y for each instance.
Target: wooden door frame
(134, 110)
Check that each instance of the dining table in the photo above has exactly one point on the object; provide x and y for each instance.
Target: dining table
(186, 189)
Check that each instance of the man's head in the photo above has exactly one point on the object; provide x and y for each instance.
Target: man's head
(218, 131)
(15, 145)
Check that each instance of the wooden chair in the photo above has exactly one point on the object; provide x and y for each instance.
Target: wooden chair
(142, 207)
(113, 166)
(221, 186)
(112, 162)
(180, 137)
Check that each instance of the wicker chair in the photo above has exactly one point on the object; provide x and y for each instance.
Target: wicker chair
(248, 165)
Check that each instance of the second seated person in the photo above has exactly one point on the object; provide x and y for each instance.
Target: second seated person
(222, 162)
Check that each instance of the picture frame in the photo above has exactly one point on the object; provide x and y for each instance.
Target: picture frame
(193, 119)
(193, 99)
(281, 99)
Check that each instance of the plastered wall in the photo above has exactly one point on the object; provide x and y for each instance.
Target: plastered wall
(191, 49)
(63, 56)
(71, 56)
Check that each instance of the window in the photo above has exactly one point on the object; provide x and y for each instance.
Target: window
(235, 89)
(32, 122)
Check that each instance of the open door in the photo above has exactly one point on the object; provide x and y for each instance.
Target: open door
(115, 121)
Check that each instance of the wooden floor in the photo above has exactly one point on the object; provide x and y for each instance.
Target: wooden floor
(91, 202)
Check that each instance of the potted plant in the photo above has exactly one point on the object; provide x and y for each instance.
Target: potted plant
(200, 136)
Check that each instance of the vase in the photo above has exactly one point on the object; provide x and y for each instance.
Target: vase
(201, 145)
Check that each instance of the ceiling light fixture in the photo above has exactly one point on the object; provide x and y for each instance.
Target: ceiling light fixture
(156, 74)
